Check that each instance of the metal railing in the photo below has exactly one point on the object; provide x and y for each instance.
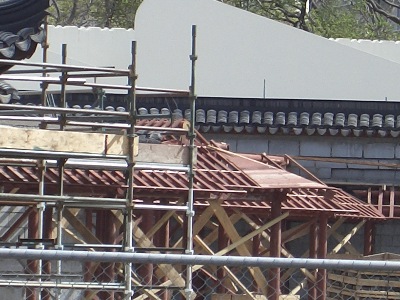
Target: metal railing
(100, 275)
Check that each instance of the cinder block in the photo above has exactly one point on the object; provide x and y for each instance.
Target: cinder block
(314, 148)
(330, 165)
(379, 150)
(323, 173)
(347, 149)
(381, 176)
(348, 175)
(252, 145)
(397, 151)
(281, 147)
(363, 167)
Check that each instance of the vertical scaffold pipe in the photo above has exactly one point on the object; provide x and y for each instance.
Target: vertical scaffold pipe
(192, 136)
(131, 165)
(44, 85)
(64, 78)
(59, 211)
(41, 207)
(61, 167)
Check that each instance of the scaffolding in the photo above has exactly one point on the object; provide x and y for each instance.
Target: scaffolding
(85, 171)
(100, 139)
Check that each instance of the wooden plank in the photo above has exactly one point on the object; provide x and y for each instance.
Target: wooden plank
(167, 270)
(159, 224)
(380, 199)
(249, 236)
(349, 247)
(63, 141)
(87, 235)
(311, 175)
(165, 153)
(90, 143)
(208, 250)
(332, 229)
(391, 199)
(296, 232)
(347, 238)
(213, 236)
(283, 249)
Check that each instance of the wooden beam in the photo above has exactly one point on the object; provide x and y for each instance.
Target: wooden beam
(313, 241)
(213, 235)
(347, 238)
(90, 143)
(87, 235)
(274, 274)
(232, 276)
(17, 224)
(321, 254)
(332, 229)
(242, 249)
(252, 234)
(380, 199)
(296, 232)
(159, 223)
(286, 253)
(391, 202)
(369, 231)
(313, 177)
(63, 141)
(164, 153)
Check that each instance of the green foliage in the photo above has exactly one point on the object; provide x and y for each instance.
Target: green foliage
(102, 13)
(359, 19)
(355, 20)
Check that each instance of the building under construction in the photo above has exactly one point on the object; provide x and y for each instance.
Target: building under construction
(128, 182)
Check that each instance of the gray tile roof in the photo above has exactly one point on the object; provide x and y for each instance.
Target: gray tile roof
(291, 123)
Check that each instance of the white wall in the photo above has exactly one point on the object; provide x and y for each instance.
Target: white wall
(237, 51)
(91, 46)
(389, 50)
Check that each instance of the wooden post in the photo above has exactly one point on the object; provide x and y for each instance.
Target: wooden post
(165, 234)
(145, 271)
(313, 254)
(321, 253)
(87, 275)
(255, 253)
(109, 237)
(369, 232)
(32, 265)
(274, 275)
(47, 232)
(222, 243)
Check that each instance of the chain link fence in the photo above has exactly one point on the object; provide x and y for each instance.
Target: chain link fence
(51, 274)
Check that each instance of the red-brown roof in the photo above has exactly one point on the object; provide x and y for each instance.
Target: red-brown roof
(217, 172)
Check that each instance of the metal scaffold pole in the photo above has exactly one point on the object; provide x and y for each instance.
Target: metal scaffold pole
(131, 165)
(192, 136)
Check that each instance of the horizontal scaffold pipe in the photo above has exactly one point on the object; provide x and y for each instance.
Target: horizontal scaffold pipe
(46, 109)
(64, 67)
(240, 261)
(54, 198)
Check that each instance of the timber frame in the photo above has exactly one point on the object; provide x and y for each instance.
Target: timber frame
(194, 202)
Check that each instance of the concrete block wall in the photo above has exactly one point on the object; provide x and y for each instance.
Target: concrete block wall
(375, 150)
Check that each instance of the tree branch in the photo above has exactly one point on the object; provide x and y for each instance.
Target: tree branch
(377, 8)
(392, 4)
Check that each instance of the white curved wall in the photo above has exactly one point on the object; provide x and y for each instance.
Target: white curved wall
(237, 50)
